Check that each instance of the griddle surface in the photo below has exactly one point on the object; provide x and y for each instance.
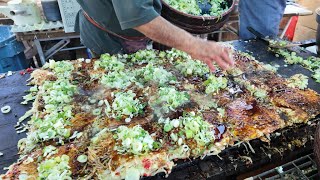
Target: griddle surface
(13, 88)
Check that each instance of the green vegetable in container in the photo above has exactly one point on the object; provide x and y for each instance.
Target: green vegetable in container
(194, 7)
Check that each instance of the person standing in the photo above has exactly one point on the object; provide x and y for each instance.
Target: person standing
(124, 26)
(262, 15)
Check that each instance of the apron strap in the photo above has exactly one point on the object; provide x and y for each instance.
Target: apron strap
(127, 38)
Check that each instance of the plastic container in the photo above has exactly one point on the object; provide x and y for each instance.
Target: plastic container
(12, 57)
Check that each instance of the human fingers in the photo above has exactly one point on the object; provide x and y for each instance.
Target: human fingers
(224, 65)
(210, 65)
(227, 57)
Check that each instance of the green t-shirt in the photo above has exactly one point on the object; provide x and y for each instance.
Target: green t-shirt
(118, 16)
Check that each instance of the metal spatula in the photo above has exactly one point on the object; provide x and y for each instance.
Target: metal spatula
(279, 44)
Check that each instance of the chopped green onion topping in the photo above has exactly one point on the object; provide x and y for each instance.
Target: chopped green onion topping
(55, 168)
(299, 81)
(134, 140)
(214, 84)
(82, 158)
(124, 104)
(169, 99)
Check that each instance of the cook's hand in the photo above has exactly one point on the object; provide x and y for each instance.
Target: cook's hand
(210, 52)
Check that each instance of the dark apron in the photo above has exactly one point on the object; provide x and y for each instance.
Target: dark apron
(130, 44)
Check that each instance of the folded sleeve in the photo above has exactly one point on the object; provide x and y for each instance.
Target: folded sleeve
(133, 13)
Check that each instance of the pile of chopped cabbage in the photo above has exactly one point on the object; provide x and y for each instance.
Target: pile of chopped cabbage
(155, 74)
(168, 99)
(298, 81)
(214, 84)
(134, 140)
(189, 67)
(55, 168)
(125, 104)
(218, 7)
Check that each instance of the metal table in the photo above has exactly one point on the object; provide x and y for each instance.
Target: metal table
(50, 35)
(232, 161)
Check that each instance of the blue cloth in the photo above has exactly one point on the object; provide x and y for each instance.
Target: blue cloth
(263, 15)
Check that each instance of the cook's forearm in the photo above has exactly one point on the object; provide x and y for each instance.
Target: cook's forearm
(209, 52)
(162, 31)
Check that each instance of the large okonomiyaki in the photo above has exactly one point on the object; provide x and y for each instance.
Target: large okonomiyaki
(127, 116)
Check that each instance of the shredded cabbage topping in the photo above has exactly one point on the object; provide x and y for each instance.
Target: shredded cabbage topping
(214, 84)
(298, 81)
(134, 140)
(186, 6)
(125, 104)
(55, 168)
